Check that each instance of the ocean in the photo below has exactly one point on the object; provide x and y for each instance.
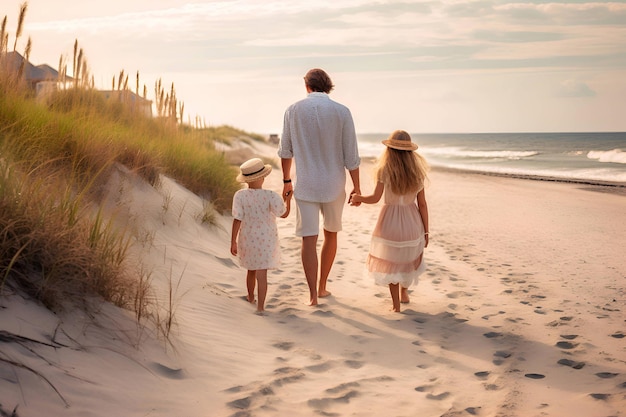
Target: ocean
(590, 158)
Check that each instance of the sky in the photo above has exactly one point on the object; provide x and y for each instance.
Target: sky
(422, 66)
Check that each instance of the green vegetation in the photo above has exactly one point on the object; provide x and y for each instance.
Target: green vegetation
(56, 155)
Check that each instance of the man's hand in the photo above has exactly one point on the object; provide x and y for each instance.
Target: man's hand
(287, 190)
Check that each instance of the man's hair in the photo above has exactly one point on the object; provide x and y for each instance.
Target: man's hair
(317, 80)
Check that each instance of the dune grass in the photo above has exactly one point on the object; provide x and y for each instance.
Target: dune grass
(82, 126)
(53, 247)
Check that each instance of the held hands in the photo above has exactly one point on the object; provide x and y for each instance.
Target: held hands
(355, 199)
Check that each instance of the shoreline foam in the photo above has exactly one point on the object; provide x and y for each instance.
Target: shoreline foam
(610, 186)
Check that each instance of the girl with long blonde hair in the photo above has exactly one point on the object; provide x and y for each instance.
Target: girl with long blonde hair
(401, 232)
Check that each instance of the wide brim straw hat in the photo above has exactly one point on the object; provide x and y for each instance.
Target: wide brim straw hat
(253, 169)
(400, 140)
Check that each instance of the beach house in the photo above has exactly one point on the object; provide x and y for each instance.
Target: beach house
(43, 80)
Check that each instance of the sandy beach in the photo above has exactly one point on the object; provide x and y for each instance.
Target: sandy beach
(521, 312)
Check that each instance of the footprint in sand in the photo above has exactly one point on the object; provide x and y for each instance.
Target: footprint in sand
(500, 356)
(290, 312)
(343, 387)
(515, 319)
(488, 316)
(322, 367)
(571, 363)
(458, 294)
(241, 403)
(227, 262)
(438, 397)
(563, 321)
(323, 313)
(166, 371)
(354, 364)
(606, 375)
(287, 375)
(283, 345)
(258, 392)
(566, 345)
(325, 403)
(423, 388)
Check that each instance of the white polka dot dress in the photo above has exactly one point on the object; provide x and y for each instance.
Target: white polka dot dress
(257, 244)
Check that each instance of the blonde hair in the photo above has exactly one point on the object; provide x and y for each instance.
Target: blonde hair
(404, 171)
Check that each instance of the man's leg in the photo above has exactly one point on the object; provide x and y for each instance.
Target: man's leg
(332, 213)
(329, 250)
(309, 264)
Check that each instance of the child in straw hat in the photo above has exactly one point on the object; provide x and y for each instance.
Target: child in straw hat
(401, 233)
(254, 236)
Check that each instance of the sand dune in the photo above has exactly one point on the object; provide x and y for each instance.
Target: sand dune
(520, 313)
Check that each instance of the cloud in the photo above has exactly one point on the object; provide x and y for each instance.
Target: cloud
(514, 36)
(573, 88)
(565, 14)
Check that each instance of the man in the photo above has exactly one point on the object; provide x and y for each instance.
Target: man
(319, 134)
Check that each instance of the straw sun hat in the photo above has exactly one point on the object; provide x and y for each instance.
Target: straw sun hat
(400, 140)
(252, 170)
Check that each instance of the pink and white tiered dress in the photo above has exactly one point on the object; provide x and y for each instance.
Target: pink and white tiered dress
(398, 241)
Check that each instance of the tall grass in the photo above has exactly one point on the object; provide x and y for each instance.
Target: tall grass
(80, 125)
(52, 247)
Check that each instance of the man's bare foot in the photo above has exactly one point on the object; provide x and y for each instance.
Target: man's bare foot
(395, 310)
(313, 303)
(251, 300)
(323, 293)
(260, 312)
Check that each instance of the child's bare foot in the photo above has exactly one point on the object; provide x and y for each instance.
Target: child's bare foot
(395, 309)
(251, 299)
(323, 293)
(404, 296)
(260, 313)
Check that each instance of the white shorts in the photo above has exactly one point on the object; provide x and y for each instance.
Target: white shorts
(308, 216)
